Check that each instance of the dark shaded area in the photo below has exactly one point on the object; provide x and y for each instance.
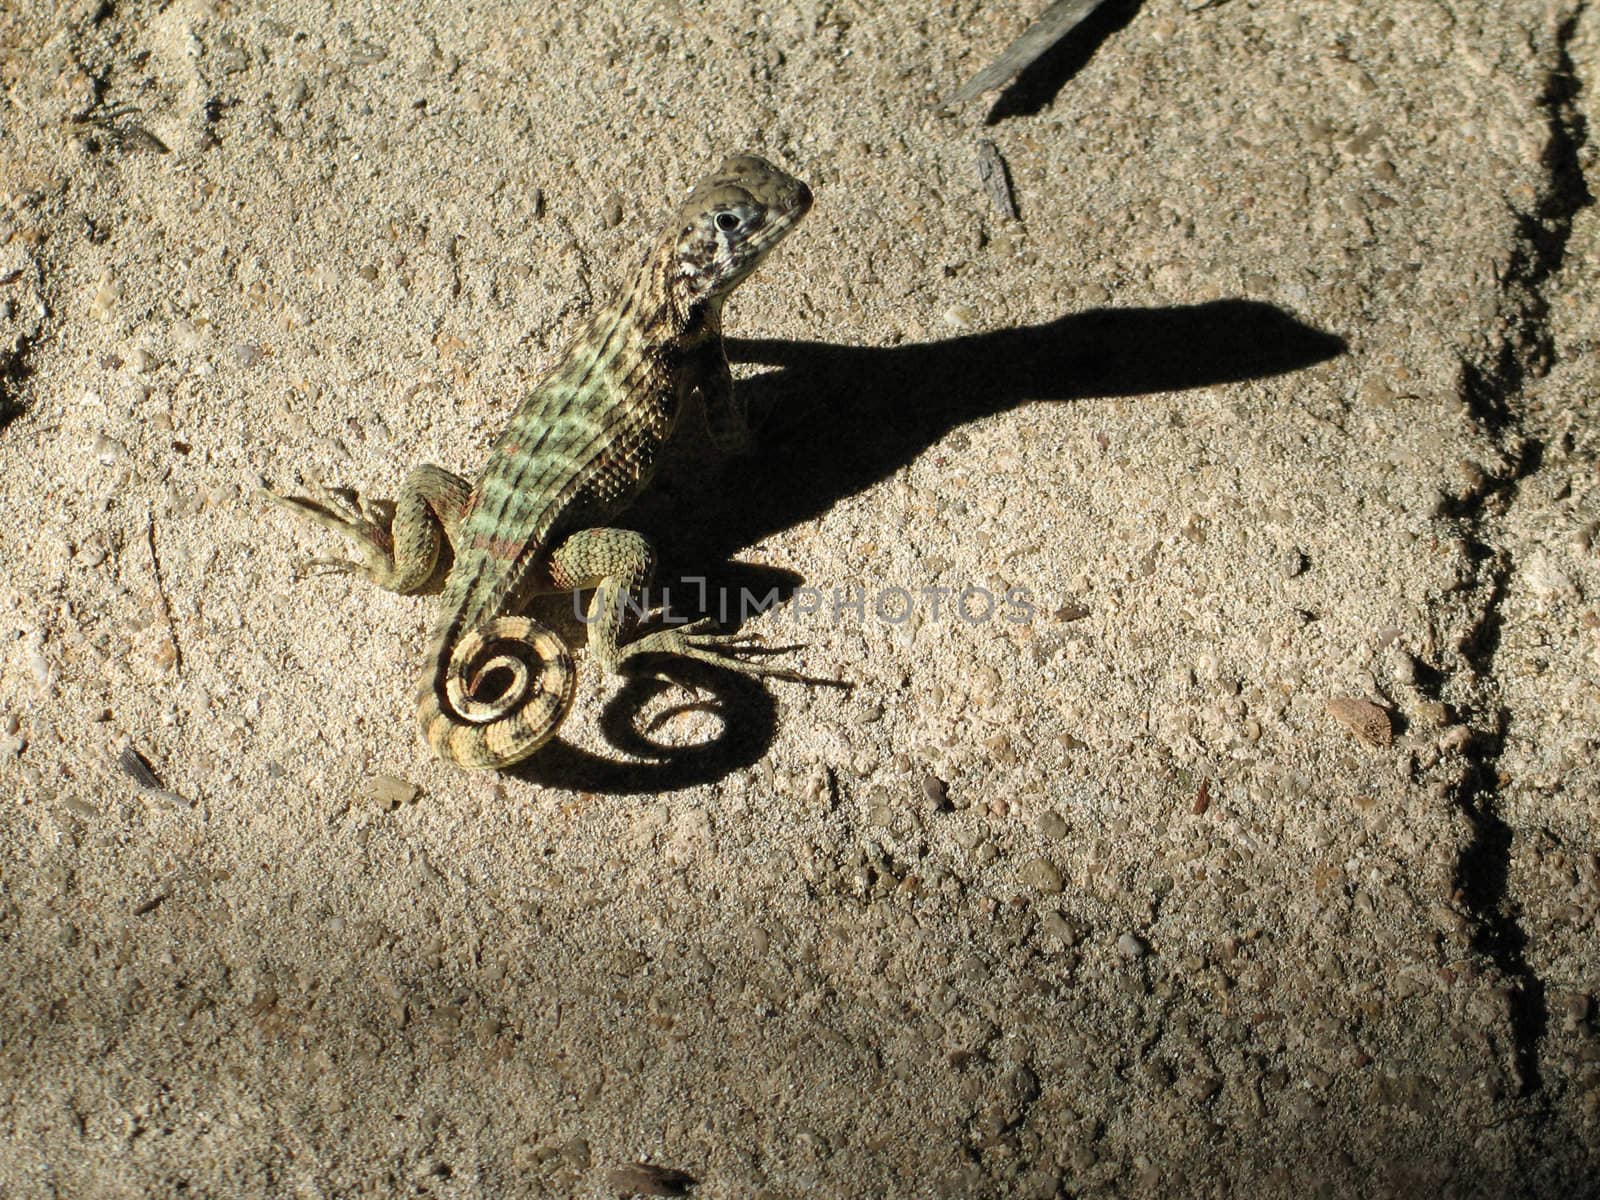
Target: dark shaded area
(13, 371)
(842, 418)
(1483, 871)
(1036, 84)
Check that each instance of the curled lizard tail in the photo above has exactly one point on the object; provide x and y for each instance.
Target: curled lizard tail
(528, 675)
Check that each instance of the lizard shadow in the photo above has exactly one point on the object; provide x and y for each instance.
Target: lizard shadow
(843, 418)
(748, 712)
(749, 719)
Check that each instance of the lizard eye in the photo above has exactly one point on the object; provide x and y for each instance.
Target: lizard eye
(727, 221)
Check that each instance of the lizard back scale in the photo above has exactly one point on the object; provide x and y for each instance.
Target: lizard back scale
(578, 450)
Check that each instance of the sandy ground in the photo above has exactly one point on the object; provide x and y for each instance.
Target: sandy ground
(1253, 853)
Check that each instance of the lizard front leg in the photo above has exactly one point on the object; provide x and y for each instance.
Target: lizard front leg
(398, 542)
(727, 416)
(619, 563)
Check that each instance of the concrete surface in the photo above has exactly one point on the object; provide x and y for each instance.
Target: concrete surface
(1259, 859)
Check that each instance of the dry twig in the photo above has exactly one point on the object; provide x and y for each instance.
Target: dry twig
(1060, 19)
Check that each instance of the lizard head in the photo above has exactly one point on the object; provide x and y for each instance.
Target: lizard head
(729, 223)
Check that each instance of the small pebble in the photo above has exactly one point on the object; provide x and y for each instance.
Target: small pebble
(188, 335)
(105, 298)
(1004, 753)
(937, 792)
(389, 792)
(1052, 825)
(1362, 718)
(1132, 946)
(1041, 873)
(576, 1153)
(247, 354)
(107, 450)
(1576, 1009)
(1378, 393)
(430, 1167)
(364, 54)
(1201, 1087)
(961, 316)
(1546, 579)
(1062, 928)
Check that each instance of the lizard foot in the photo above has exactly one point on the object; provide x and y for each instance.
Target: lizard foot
(343, 510)
(365, 522)
(359, 509)
(327, 566)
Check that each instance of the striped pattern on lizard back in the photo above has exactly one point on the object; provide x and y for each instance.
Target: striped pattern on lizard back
(577, 451)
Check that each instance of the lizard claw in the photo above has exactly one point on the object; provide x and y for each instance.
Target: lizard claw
(346, 499)
(358, 509)
(341, 509)
(304, 568)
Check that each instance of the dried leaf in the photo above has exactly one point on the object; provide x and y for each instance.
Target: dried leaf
(996, 179)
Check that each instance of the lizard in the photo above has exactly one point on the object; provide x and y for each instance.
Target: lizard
(578, 450)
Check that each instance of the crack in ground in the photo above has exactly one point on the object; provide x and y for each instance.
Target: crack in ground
(1527, 349)
(1539, 247)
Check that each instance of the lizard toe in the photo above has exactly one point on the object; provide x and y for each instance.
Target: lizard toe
(328, 566)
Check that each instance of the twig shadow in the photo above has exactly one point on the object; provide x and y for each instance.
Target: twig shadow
(1037, 84)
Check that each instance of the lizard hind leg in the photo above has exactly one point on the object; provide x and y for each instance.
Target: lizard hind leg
(618, 563)
(398, 541)
(506, 688)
